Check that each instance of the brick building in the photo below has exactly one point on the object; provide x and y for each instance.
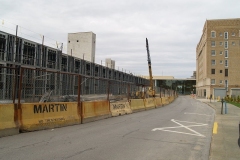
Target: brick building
(218, 59)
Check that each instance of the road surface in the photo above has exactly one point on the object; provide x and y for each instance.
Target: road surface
(180, 130)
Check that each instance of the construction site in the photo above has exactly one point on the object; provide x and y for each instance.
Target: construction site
(43, 88)
(34, 72)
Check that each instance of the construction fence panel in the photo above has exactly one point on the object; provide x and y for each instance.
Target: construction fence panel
(8, 79)
(46, 86)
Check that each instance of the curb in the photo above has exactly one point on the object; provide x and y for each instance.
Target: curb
(210, 105)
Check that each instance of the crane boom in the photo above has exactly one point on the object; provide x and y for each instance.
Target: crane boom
(149, 68)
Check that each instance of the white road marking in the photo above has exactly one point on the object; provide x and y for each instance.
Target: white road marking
(194, 133)
(198, 114)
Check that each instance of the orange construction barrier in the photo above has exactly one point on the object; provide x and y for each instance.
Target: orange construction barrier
(38, 116)
(7, 123)
(149, 103)
(158, 102)
(120, 108)
(95, 110)
(137, 105)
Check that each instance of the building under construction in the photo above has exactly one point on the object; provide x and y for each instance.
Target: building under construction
(48, 69)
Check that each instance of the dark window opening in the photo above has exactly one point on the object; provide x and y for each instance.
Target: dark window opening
(226, 72)
(213, 71)
(220, 71)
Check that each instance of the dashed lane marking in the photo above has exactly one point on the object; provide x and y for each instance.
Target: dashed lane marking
(194, 133)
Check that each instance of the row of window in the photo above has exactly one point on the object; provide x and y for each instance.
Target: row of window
(220, 71)
(213, 53)
(213, 44)
(213, 62)
(213, 34)
(220, 81)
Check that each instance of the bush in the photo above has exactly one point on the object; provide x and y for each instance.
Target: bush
(238, 99)
(234, 99)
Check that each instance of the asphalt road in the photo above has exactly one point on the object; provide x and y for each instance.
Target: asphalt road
(180, 130)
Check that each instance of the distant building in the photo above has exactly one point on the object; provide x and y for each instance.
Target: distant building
(194, 75)
(82, 45)
(110, 63)
(218, 59)
(181, 86)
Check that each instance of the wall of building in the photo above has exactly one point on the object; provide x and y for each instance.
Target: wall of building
(110, 63)
(206, 52)
(82, 45)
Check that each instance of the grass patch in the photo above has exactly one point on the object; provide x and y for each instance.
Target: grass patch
(235, 104)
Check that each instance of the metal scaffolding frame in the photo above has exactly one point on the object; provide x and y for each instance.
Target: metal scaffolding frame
(19, 52)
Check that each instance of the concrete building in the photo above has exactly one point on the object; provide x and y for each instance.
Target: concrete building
(217, 59)
(181, 86)
(194, 75)
(82, 45)
(110, 63)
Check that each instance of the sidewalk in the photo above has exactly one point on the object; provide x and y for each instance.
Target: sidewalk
(224, 144)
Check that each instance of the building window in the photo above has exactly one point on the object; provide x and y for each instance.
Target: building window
(226, 53)
(226, 44)
(226, 72)
(225, 35)
(213, 34)
(220, 71)
(220, 81)
(226, 63)
(213, 43)
(221, 52)
(233, 43)
(221, 62)
(212, 81)
(213, 53)
(220, 43)
(213, 71)
(233, 34)
(226, 83)
(68, 41)
(77, 40)
(213, 62)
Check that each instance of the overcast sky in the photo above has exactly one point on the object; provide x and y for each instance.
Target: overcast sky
(173, 28)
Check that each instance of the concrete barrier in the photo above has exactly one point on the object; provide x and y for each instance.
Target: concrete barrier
(39, 116)
(149, 103)
(95, 110)
(170, 99)
(158, 102)
(137, 105)
(165, 100)
(7, 123)
(120, 108)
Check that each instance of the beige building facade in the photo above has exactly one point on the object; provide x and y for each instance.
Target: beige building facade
(82, 45)
(218, 59)
(110, 63)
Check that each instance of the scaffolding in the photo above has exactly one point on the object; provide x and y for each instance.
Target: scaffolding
(47, 64)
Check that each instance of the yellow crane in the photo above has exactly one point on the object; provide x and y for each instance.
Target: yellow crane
(151, 91)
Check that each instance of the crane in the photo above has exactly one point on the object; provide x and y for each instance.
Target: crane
(151, 90)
